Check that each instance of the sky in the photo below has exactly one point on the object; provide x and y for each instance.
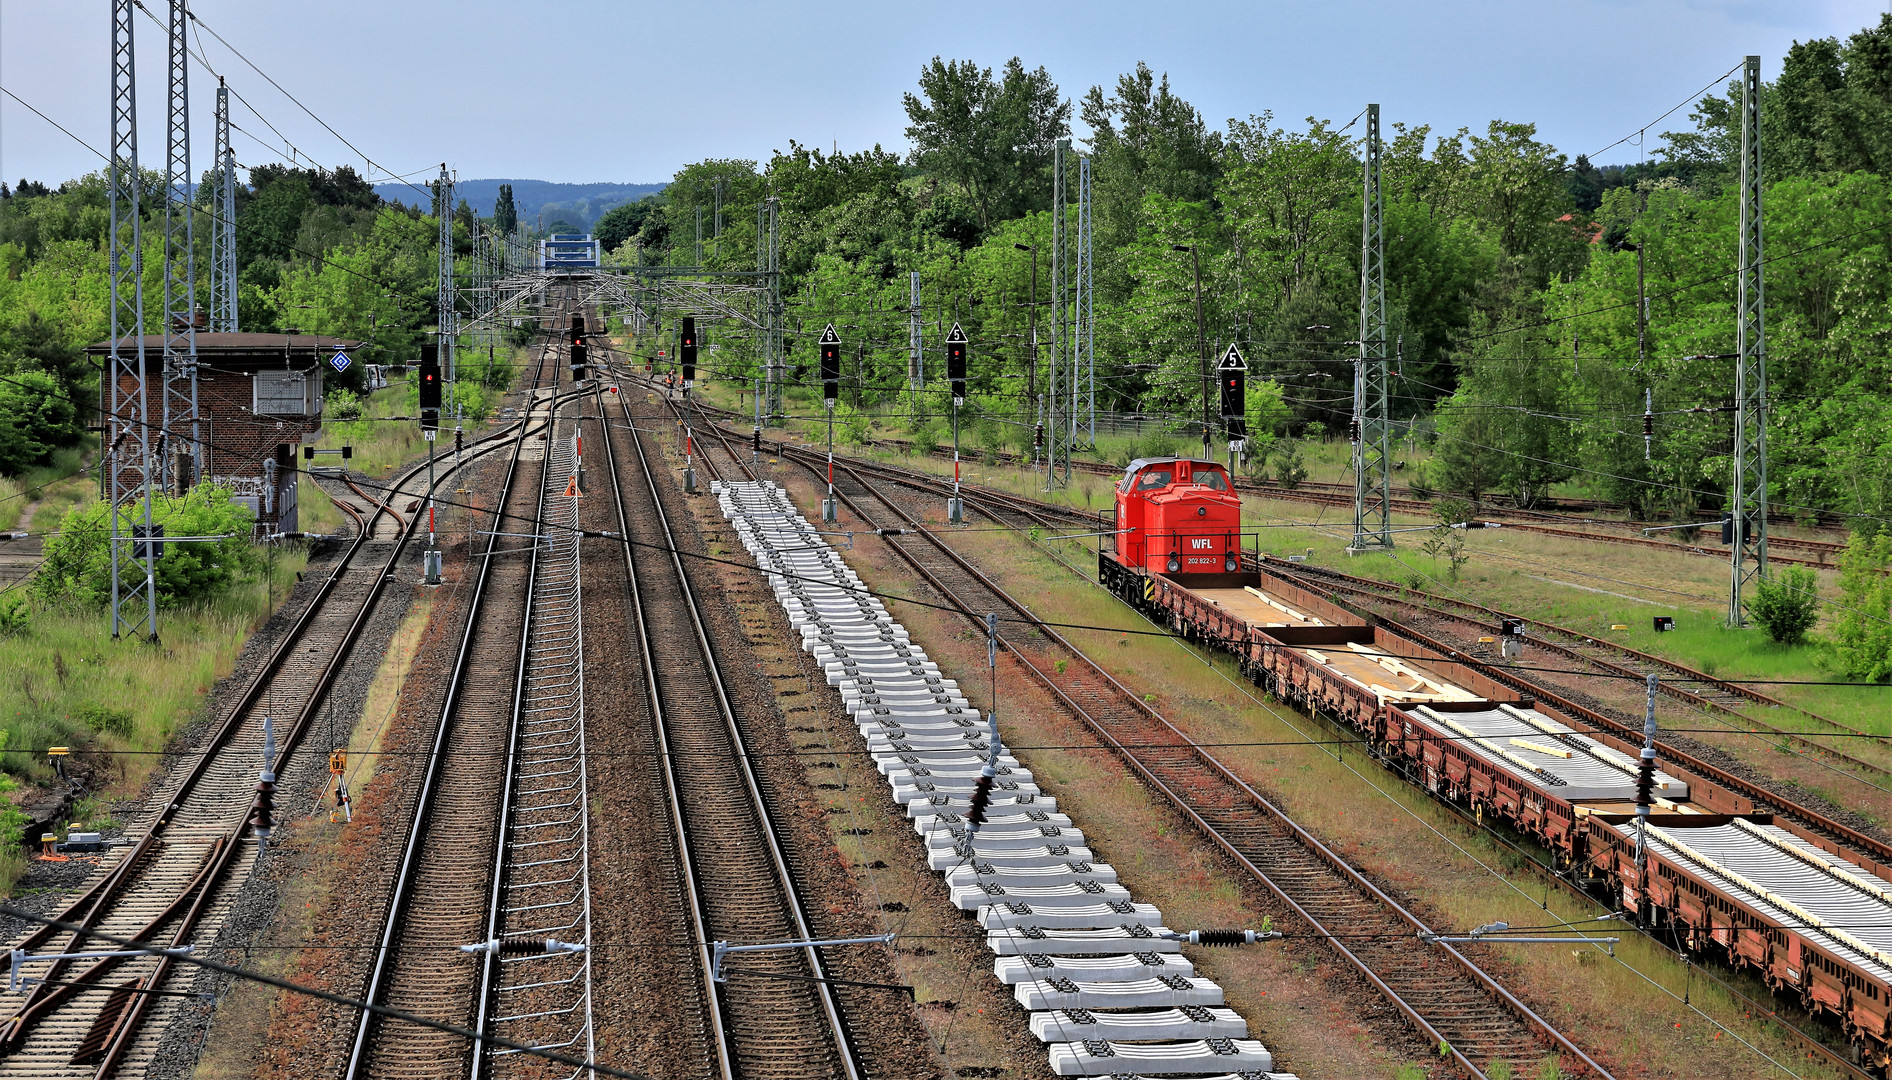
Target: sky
(610, 90)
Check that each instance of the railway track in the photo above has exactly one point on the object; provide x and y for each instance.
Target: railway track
(449, 888)
(1444, 994)
(1764, 797)
(774, 1016)
(1680, 682)
(1697, 688)
(194, 850)
(1818, 554)
(1715, 697)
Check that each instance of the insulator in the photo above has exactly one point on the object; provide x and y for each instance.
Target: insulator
(981, 798)
(1645, 778)
(1222, 937)
(1353, 430)
(1648, 424)
(262, 810)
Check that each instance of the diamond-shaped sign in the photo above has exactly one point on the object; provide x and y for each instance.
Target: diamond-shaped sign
(339, 361)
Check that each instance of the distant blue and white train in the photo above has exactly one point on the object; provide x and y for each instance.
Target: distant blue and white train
(568, 251)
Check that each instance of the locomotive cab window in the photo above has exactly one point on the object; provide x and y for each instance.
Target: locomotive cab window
(1151, 479)
(1213, 480)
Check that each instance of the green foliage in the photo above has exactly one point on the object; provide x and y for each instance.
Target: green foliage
(851, 425)
(926, 439)
(1290, 465)
(1443, 542)
(36, 418)
(624, 221)
(1861, 641)
(15, 615)
(78, 561)
(341, 404)
(1786, 604)
(103, 719)
(505, 211)
(992, 137)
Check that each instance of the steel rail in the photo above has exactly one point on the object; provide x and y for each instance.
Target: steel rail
(1827, 1053)
(380, 966)
(95, 904)
(495, 906)
(1530, 688)
(850, 1061)
(1182, 802)
(686, 866)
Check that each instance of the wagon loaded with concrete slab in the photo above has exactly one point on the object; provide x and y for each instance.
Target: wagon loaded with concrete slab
(260, 396)
(1104, 980)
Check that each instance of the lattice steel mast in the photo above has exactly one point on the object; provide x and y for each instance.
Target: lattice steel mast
(449, 317)
(223, 276)
(1085, 322)
(1372, 483)
(179, 466)
(1748, 505)
(916, 362)
(1060, 269)
(128, 431)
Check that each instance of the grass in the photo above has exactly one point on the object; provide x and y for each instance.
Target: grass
(64, 668)
(52, 489)
(315, 509)
(378, 443)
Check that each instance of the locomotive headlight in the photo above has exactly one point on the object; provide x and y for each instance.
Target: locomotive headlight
(1229, 564)
(1202, 511)
(1173, 564)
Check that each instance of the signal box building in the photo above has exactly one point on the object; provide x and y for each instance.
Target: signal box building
(260, 397)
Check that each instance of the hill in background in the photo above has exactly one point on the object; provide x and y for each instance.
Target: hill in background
(580, 204)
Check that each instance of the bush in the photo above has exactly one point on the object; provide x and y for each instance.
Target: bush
(926, 439)
(103, 719)
(851, 425)
(36, 418)
(14, 615)
(1290, 467)
(78, 561)
(1861, 642)
(1160, 444)
(1786, 604)
(341, 404)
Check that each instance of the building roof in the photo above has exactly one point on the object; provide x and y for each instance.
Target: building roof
(245, 350)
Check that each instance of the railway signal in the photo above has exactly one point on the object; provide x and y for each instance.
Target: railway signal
(1233, 377)
(430, 388)
(956, 375)
(956, 363)
(578, 359)
(830, 345)
(686, 352)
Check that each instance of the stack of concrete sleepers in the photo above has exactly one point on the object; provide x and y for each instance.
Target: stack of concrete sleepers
(1107, 986)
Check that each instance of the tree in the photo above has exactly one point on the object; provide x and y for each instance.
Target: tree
(992, 137)
(622, 222)
(505, 211)
(1861, 644)
(1145, 138)
(1786, 604)
(37, 416)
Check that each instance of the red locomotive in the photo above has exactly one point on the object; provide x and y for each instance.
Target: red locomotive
(1178, 516)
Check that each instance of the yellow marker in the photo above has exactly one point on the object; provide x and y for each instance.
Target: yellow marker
(58, 751)
(1619, 626)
